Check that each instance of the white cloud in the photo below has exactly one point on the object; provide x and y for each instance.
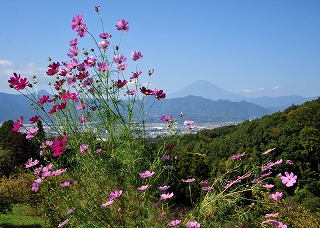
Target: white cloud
(276, 88)
(250, 90)
(305, 86)
(7, 68)
(5, 63)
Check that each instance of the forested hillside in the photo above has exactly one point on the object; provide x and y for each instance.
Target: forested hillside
(294, 133)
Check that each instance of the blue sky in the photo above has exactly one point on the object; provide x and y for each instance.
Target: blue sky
(253, 48)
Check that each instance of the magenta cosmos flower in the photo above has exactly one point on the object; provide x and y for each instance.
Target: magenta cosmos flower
(59, 145)
(122, 25)
(18, 124)
(289, 179)
(166, 118)
(146, 174)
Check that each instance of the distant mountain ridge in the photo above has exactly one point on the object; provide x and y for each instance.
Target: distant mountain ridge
(210, 91)
(201, 100)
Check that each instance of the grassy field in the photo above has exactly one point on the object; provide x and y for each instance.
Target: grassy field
(19, 219)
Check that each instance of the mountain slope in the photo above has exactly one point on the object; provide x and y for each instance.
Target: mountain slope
(200, 108)
(207, 90)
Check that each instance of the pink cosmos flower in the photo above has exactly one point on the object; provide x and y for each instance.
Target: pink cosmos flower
(104, 44)
(236, 156)
(188, 180)
(276, 195)
(31, 163)
(105, 35)
(136, 55)
(146, 174)
(82, 31)
(115, 194)
(142, 188)
(271, 215)
(278, 162)
(31, 132)
(76, 22)
(108, 203)
(265, 175)
(207, 188)
(119, 59)
(194, 224)
(132, 92)
(67, 183)
(35, 184)
(268, 185)
(74, 51)
(163, 188)
(189, 124)
(98, 150)
(59, 145)
(122, 67)
(122, 25)
(275, 223)
(73, 42)
(229, 183)
(18, 124)
(83, 148)
(166, 196)
(63, 223)
(82, 106)
(268, 151)
(289, 179)
(103, 66)
(165, 158)
(90, 61)
(166, 118)
(204, 181)
(34, 119)
(174, 223)
(289, 162)
(83, 119)
(58, 172)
